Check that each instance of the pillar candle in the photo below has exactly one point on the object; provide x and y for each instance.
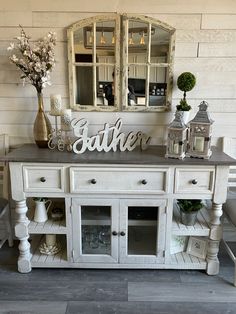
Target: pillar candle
(176, 148)
(50, 239)
(199, 144)
(56, 105)
(65, 119)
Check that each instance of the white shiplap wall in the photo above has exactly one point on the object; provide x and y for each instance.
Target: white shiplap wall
(205, 45)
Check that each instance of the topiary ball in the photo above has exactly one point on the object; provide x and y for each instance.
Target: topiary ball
(186, 81)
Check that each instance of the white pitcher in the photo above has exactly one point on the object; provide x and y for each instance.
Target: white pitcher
(41, 210)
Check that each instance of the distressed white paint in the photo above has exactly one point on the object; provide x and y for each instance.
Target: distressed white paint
(118, 187)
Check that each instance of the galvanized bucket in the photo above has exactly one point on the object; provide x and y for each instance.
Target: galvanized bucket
(188, 219)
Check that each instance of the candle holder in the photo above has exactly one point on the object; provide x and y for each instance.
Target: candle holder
(200, 133)
(56, 135)
(68, 140)
(50, 246)
(65, 120)
(61, 138)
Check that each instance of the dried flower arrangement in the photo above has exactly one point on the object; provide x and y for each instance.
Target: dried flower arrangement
(35, 60)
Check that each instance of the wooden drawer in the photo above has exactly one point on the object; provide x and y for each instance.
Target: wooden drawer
(118, 180)
(43, 179)
(194, 180)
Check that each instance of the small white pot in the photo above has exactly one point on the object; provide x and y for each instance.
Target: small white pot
(185, 116)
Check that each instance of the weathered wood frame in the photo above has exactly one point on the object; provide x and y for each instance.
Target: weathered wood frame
(72, 64)
(148, 64)
(121, 63)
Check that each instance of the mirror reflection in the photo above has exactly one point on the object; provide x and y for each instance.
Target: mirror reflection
(148, 49)
(120, 58)
(94, 58)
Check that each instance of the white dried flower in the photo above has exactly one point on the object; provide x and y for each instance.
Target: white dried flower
(11, 47)
(14, 58)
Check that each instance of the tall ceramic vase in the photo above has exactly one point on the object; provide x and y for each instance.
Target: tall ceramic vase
(42, 125)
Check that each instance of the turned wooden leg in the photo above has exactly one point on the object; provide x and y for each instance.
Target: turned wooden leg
(21, 232)
(214, 240)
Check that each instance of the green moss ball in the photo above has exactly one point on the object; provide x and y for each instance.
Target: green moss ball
(186, 81)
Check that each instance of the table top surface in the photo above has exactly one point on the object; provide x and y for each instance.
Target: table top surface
(154, 155)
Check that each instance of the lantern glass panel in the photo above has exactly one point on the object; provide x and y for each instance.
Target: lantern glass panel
(199, 144)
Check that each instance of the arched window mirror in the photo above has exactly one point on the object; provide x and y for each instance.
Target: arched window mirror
(120, 62)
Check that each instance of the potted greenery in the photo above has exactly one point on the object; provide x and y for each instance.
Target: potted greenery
(185, 82)
(188, 210)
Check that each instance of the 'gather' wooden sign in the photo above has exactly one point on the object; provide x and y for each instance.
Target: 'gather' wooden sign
(107, 139)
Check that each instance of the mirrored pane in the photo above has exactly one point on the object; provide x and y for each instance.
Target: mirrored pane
(158, 86)
(105, 37)
(158, 74)
(84, 85)
(106, 80)
(142, 230)
(96, 229)
(137, 71)
(160, 40)
(136, 85)
(83, 40)
(137, 40)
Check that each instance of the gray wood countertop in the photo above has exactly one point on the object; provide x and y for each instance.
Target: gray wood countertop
(154, 155)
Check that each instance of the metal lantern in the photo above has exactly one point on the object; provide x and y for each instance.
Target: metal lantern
(177, 137)
(200, 133)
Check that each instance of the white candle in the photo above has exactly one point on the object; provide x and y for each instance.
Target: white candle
(199, 144)
(65, 119)
(56, 105)
(176, 148)
(50, 239)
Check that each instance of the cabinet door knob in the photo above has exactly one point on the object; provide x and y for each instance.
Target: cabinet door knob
(122, 233)
(194, 181)
(144, 182)
(114, 233)
(43, 179)
(93, 181)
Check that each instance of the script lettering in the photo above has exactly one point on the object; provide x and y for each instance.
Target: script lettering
(107, 139)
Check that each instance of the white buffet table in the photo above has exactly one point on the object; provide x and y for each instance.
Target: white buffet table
(128, 197)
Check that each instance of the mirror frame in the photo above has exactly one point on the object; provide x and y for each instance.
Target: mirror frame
(121, 63)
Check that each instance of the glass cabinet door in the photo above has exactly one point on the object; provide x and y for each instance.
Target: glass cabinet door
(142, 231)
(95, 238)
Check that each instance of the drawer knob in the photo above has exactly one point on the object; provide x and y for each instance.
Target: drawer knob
(122, 233)
(194, 181)
(43, 179)
(144, 182)
(114, 233)
(93, 181)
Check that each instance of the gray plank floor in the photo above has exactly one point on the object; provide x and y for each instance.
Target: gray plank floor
(72, 291)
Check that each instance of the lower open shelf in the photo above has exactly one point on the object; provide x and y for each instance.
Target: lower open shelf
(184, 260)
(42, 260)
(181, 260)
(201, 227)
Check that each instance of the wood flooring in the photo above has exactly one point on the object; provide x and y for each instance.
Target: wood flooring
(85, 291)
